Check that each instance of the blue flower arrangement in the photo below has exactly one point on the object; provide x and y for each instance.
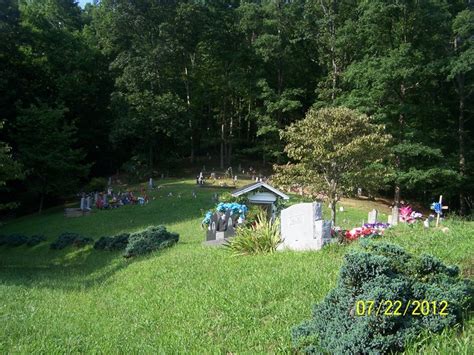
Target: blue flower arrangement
(234, 207)
(207, 218)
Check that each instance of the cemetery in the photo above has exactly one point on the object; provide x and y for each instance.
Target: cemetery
(309, 249)
(236, 177)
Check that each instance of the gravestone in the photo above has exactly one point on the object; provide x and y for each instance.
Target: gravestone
(395, 216)
(372, 216)
(150, 183)
(221, 227)
(212, 228)
(302, 227)
(110, 181)
(88, 203)
(83, 204)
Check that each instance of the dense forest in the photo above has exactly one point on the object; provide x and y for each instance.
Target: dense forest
(148, 85)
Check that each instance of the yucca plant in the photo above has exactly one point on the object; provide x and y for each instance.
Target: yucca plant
(261, 237)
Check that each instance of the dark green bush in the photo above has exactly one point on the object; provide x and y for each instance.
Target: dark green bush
(382, 272)
(116, 242)
(152, 238)
(67, 239)
(13, 240)
(35, 240)
(96, 184)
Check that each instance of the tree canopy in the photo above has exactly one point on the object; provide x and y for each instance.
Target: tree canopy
(156, 85)
(334, 149)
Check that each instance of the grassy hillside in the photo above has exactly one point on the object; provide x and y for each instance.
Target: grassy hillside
(189, 297)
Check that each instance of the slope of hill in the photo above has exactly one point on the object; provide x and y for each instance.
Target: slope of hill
(186, 298)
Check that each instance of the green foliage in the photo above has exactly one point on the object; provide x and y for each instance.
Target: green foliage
(334, 145)
(261, 237)
(46, 148)
(13, 240)
(70, 239)
(148, 240)
(383, 272)
(96, 184)
(227, 197)
(35, 240)
(9, 168)
(116, 242)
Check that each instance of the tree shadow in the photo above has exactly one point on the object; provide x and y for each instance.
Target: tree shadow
(73, 270)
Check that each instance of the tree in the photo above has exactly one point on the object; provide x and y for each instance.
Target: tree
(335, 145)
(395, 77)
(46, 148)
(461, 72)
(9, 169)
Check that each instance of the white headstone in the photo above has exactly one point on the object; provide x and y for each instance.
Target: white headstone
(395, 216)
(372, 217)
(302, 227)
(389, 219)
(83, 203)
(150, 183)
(426, 223)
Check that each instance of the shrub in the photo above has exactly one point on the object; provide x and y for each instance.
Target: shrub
(96, 184)
(67, 239)
(116, 242)
(35, 240)
(13, 240)
(261, 237)
(382, 272)
(150, 239)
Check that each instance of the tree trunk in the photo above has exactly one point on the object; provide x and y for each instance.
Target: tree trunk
(396, 197)
(222, 145)
(41, 203)
(188, 102)
(150, 156)
(461, 135)
(333, 210)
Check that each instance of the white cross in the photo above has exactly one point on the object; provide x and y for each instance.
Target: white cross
(442, 208)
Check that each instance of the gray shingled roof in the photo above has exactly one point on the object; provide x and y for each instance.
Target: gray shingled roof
(257, 185)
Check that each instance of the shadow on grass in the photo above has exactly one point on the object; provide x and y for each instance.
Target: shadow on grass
(73, 270)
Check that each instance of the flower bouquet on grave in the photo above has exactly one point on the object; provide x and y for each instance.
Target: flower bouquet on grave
(380, 227)
(234, 208)
(408, 215)
(363, 232)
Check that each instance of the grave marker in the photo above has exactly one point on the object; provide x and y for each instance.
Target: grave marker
(372, 216)
(395, 215)
(438, 208)
(302, 227)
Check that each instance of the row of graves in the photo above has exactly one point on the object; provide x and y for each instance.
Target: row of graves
(108, 200)
(302, 224)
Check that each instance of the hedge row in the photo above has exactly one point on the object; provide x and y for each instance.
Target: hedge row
(139, 243)
(67, 239)
(15, 240)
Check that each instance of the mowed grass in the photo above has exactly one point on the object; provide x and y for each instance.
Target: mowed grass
(187, 298)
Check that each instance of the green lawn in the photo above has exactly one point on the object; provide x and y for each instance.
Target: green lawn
(186, 298)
